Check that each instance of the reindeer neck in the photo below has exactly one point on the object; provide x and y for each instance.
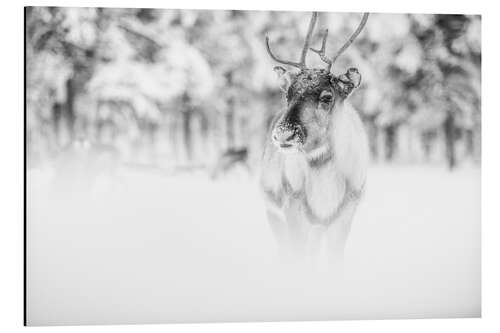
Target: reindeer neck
(320, 156)
(324, 154)
(299, 168)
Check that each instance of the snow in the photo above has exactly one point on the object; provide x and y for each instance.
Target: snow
(145, 247)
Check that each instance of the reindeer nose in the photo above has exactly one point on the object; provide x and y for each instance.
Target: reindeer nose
(286, 136)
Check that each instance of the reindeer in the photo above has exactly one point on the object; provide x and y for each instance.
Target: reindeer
(316, 155)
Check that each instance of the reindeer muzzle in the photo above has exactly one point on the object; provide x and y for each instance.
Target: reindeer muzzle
(286, 135)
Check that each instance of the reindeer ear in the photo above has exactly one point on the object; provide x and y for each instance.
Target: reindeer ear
(346, 83)
(353, 76)
(284, 78)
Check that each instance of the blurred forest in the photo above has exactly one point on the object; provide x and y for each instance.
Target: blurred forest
(179, 88)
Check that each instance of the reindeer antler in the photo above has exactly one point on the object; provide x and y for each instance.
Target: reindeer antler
(321, 52)
(302, 63)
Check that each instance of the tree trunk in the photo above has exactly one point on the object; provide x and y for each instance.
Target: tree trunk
(70, 106)
(373, 132)
(56, 121)
(426, 138)
(390, 142)
(469, 142)
(449, 137)
(173, 133)
(204, 126)
(230, 123)
(187, 116)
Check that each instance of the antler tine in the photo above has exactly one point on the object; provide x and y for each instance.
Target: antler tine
(302, 63)
(285, 62)
(321, 52)
(350, 40)
(307, 41)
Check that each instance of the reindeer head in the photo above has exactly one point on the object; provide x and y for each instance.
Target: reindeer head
(312, 95)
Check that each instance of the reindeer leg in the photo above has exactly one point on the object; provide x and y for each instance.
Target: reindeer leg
(298, 229)
(315, 243)
(280, 230)
(338, 233)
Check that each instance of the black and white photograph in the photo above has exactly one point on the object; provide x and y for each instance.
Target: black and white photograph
(198, 166)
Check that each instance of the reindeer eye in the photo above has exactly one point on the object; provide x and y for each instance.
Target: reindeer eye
(326, 97)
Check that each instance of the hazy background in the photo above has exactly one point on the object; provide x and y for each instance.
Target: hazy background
(174, 88)
(135, 213)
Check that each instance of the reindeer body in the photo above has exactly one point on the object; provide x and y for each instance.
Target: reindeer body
(312, 197)
(316, 155)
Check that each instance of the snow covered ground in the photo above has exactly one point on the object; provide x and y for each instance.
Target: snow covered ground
(149, 248)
